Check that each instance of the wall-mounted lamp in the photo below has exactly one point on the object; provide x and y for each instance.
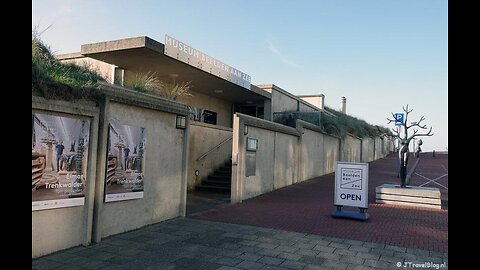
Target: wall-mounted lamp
(245, 130)
(252, 144)
(181, 121)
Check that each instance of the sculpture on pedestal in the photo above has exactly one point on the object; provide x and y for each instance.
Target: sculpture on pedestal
(400, 132)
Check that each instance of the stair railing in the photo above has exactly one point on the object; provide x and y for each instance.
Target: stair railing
(214, 148)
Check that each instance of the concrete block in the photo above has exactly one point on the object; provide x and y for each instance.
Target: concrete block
(412, 196)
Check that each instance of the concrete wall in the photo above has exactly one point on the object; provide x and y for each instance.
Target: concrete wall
(368, 149)
(276, 158)
(378, 148)
(61, 228)
(204, 137)
(263, 180)
(103, 69)
(285, 156)
(351, 149)
(222, 107)
(331, 154)
(165, 181)
(312, 153)
(316, 100)
(163, 171)
(306, 108)
(282, 102)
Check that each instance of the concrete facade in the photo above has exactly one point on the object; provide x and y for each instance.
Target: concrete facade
(295, 154)
(283, 101)
(263, 180)
(204, 138)
(316, 100)
(60, 228)
(285, 155)
(368, 148)
(103, 69)
(311, 151)
(379, 146)
(351, 149)
(163, 184)
(222, 107)
(165, 180)
(331, 154)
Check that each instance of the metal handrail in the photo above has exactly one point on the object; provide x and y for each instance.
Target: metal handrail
(215, 147)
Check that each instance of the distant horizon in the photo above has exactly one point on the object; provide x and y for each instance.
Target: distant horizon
(380, 55)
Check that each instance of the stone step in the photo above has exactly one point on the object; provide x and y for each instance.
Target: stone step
(410, 195)
(223, 173)
(222, 178)
(209, 188)
(216, 183)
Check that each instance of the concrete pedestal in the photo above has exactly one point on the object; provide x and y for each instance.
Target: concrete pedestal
(412, 196)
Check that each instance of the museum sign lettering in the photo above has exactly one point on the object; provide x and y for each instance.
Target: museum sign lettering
(189, 55)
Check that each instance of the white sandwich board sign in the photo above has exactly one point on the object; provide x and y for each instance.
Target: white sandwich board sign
(351, 184)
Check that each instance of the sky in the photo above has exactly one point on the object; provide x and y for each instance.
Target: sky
(380, 54)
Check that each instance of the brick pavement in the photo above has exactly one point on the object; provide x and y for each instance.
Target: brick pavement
(390, 238)
(185, 243)
(306, 208)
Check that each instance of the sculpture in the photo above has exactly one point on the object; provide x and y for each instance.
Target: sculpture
(404, 139)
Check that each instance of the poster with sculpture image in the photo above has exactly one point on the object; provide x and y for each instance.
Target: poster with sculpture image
(59, 161)
(125, 162)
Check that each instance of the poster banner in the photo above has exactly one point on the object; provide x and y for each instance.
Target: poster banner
(125, 162)
(59, 161)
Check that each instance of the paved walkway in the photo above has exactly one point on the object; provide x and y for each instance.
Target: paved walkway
(432, 172)
(186, 243)
(306, 207)
(292, 230)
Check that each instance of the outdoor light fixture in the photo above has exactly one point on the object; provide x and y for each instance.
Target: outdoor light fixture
(245, 130)
(181, 121)
(252, 144)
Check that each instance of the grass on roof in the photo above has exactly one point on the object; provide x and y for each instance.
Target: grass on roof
(338, 124)
(56, 80)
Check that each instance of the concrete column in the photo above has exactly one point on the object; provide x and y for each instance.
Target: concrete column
(267, 110)
(321, 101)
(343, 105)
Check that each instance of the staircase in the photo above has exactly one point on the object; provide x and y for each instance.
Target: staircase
(218, 182)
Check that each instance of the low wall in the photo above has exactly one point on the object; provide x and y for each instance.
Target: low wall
(351, 149)
(287, 155)
(272, 165)
(331, 154)
(60, 228)
(263, 180)
(203, 138)
(284, 174)
(164, 167)
(368, 149)
(311, 154)
(164, 186)
(379, 146)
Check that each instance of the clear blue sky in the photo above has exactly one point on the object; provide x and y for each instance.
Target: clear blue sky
(379, 54)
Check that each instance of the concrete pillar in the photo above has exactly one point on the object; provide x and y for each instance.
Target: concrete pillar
(343, 105)
(321, 101)
(267, 110)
